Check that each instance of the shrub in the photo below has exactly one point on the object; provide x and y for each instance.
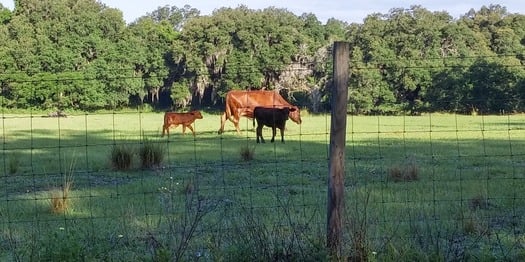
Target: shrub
(121, 157)
(151, 154)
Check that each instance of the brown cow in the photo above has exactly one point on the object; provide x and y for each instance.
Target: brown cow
(241, 103)
(184, 119)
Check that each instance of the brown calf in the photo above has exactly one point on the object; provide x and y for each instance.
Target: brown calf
(185, 119)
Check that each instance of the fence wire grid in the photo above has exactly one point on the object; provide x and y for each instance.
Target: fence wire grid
(435, 186)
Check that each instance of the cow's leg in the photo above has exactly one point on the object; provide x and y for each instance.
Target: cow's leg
(234, 119)
(223, 121)
(164, 128)
(259, 133)
(183, 129)
(236, 123)
(273, 134)
(191, 128)
(282, 134)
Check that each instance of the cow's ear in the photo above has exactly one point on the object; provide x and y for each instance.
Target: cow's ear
(292, 109)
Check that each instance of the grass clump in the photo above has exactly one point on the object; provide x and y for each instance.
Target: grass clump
(253, 237)
(60, 201)
(476, 225)
(478, 202)
(407, 172)
(247, 153)
(151, 154)
(13, 163)
(64, 245)
(121, 157)
(189, 188)
(357, 223)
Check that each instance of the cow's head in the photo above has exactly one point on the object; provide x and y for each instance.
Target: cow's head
(197, 114)
(295, 114)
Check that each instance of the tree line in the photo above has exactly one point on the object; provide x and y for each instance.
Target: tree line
(81, 55)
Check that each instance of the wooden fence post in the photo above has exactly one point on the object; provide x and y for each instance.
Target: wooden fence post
(336, 165)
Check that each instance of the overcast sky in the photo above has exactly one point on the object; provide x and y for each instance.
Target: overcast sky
(345, 10)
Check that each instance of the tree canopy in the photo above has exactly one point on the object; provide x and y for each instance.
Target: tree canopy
(80, 54)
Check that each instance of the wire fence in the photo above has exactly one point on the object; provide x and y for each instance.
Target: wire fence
(417, 187)
(107, 186)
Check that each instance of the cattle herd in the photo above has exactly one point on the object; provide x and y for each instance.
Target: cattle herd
(267, 108)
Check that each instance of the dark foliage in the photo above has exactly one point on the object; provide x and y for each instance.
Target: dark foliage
(84, 57)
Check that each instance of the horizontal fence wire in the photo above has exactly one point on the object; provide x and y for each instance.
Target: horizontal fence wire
(443, 184)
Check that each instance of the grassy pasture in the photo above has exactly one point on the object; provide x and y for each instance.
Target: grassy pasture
(204, 202)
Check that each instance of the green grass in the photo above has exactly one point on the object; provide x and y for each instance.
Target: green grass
(204, 199)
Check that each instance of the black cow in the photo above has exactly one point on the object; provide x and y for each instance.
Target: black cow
(271, 117)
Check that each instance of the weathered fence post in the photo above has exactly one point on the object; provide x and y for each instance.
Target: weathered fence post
(336, 165)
